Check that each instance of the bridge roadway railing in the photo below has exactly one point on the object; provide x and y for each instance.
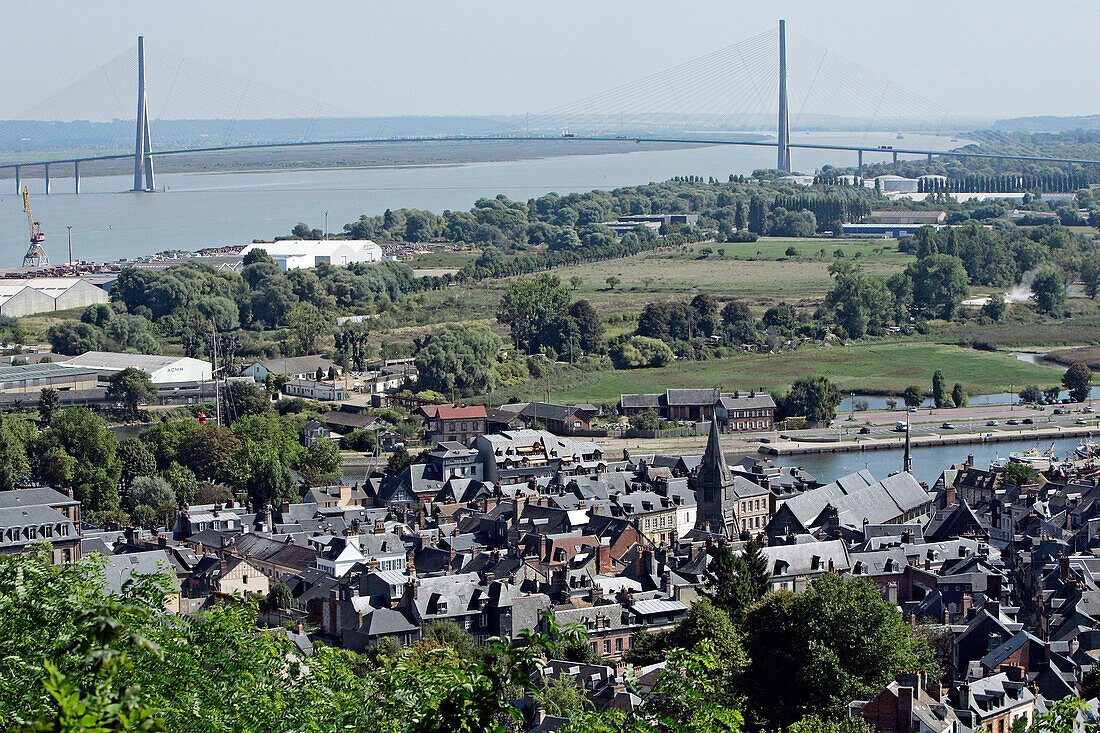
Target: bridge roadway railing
(76, 161)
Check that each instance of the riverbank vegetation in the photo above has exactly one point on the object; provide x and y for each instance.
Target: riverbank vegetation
(125, 663)
(718, 287)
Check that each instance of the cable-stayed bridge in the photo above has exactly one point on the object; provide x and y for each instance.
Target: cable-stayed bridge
(748, 94)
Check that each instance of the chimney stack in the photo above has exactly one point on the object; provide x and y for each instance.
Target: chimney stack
(603, 557)
(905, 707)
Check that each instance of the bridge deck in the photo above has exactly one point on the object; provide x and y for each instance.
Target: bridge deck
(531, 138)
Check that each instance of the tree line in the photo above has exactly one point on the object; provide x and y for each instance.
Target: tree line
(258, 458)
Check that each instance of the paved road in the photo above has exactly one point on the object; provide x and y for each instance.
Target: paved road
(880, 424)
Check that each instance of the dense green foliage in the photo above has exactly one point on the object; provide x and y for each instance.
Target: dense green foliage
(1078, 382)
(131, 387)
(458, 361)
(79, 661)
(815, 399)
(813, 652)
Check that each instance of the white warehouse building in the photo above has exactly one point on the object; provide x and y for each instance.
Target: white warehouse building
(161, 369)
(896, 184)
(26, 296)
(294, 254)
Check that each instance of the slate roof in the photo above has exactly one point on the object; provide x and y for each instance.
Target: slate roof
(954, 522)
(387, 621)
(332, 493)
(747, 401)
(688, 397)
(997, 656)
(37, 496)
(640, 401)
(544, 411)
(346, 419)
(121, 568)
(858, 497)
(32, 516)
(800, 558)
(284, 554)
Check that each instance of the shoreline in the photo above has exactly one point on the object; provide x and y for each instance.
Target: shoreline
(795, 447)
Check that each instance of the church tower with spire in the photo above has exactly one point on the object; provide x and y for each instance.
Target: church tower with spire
(714, 490)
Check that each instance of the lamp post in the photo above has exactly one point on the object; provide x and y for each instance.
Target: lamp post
(326, 226)
(70, 228)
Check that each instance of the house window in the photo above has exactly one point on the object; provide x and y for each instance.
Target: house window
(619, 644)
(607, 650)
(244, 578)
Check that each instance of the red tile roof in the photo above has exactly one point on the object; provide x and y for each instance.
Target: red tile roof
(449, 412)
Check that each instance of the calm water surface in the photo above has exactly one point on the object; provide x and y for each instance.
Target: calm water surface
(210, 209)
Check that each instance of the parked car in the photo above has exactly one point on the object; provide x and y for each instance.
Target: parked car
(992, 423)
(947, 426)
(1059, 411)
(1086, 408)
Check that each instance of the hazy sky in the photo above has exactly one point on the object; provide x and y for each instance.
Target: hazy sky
(435, 57)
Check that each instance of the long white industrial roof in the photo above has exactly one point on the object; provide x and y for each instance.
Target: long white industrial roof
(292, 247)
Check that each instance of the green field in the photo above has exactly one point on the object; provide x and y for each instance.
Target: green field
(758, 271)
(444, 259)
(879, 368)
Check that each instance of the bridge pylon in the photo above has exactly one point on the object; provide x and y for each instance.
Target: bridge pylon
(143, 159)
(784, 135)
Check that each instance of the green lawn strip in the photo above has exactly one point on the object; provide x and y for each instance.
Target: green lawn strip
(878, 368)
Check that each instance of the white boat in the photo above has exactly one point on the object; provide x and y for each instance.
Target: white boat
(1039, 460)
(1088, 449)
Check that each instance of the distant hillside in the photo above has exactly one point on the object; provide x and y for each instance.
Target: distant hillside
(1048, 124)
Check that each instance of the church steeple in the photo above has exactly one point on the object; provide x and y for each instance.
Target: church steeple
(714, 494)
(713, 471)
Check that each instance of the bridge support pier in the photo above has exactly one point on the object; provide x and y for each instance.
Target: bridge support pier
(929, 157)
(18, 188)
(783, 138)
(860, 153)
(895, 161)
(46, 168)
(76, 176)
(143, 161)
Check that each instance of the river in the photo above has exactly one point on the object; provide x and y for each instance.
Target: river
(197, 210)
(928, 462)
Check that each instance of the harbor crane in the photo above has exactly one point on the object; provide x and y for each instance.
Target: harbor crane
(36, 253)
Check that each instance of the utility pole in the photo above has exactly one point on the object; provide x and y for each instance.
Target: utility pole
(214, 373)
(908, 462)
(326, 226)
(70, 228)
